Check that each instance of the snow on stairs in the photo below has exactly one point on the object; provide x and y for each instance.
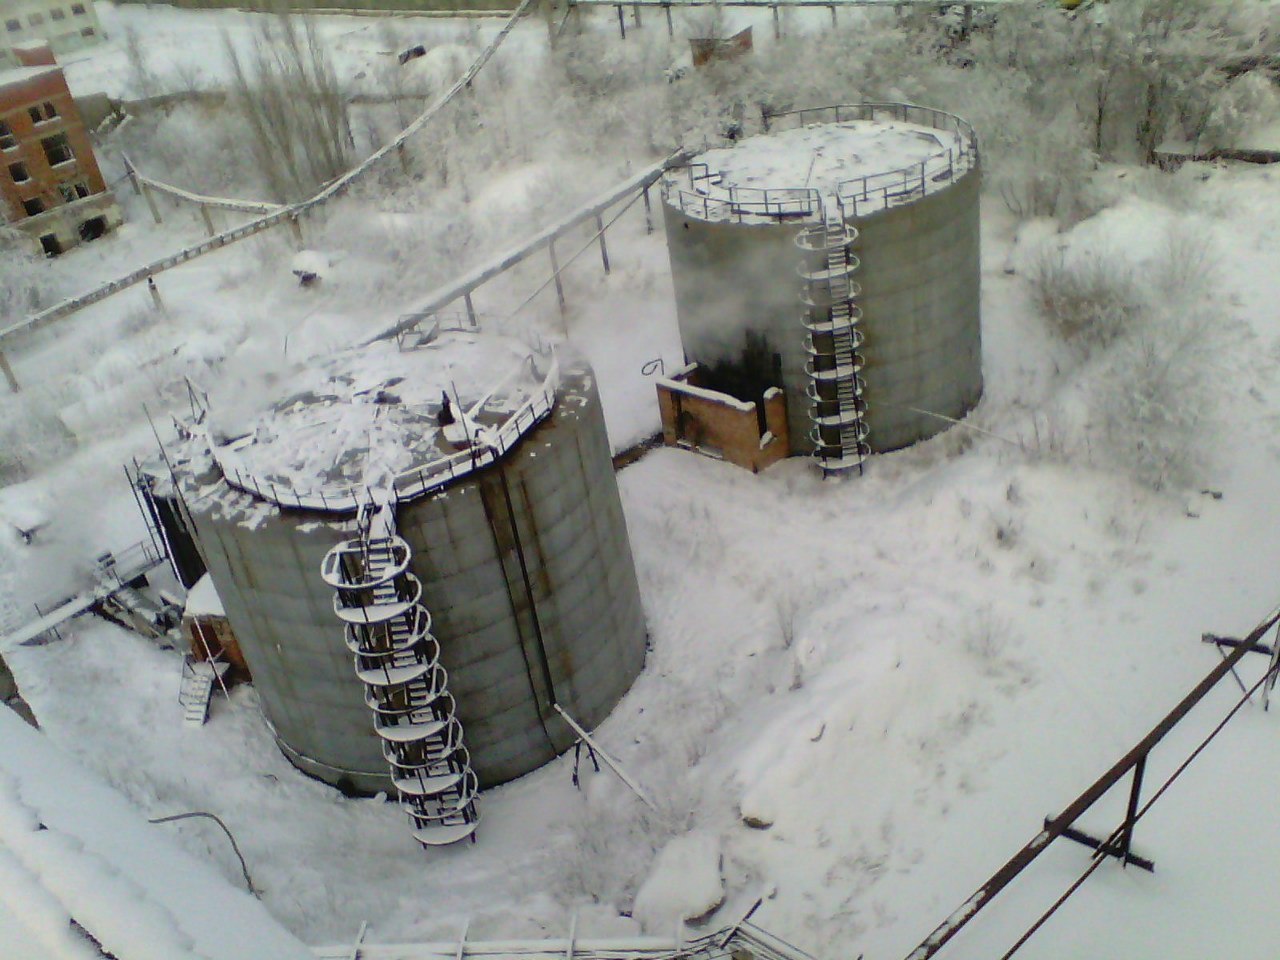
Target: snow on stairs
(196, 690)
(397, 659)
(837, 407)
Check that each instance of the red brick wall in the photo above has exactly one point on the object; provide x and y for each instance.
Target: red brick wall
(724, 425)
(15, 100)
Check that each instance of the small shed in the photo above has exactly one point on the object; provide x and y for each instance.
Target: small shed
(208, 631)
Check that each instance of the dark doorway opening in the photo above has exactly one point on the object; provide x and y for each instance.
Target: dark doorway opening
(49, 243)
(92, 229)
(748, 376)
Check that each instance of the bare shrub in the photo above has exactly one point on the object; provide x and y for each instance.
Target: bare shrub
(1185, 270)
(1151, 405)
(24, 285)
(1043, 169)
(140, 73)
(1088, 300)
(991, 641)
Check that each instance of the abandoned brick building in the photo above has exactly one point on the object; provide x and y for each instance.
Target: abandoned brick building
(50, 184)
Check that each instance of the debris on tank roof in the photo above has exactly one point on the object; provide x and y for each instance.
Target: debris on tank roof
(821, 155)
(374, 409)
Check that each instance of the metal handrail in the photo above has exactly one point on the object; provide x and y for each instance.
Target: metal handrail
(416, 482)
(856, 196)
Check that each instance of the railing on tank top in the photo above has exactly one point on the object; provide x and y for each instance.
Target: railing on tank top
(416, 482)
(695, 189)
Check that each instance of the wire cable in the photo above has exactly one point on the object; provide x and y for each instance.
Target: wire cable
(244, 869)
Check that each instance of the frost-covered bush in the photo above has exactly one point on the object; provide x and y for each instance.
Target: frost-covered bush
(1247, 100)
(1088, 300)
(31, 435)
(25, 284)
(1144, 391)
(1151, 404)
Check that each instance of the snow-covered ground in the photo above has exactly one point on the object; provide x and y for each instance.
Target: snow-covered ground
(894, 677)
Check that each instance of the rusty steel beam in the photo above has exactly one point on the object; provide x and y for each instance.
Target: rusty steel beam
(1058, 825)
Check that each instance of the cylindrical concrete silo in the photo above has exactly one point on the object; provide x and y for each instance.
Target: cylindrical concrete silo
(524, 563)
(906, 180)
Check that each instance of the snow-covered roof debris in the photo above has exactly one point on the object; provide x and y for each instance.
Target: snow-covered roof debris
(374, 407)
(203, 600)
(820, 156)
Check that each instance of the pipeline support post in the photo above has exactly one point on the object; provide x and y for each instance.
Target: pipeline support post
(151, 203)
(555, 272)
(622, 22)
(604, 249)
(1131, 813)
(132, 174)
(648, 212)
(671, 30)
(9, 378)
(208, 219)
(155, 294)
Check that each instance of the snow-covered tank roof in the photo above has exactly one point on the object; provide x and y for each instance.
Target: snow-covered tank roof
(365, 416)
(820, 156)
(853, 158)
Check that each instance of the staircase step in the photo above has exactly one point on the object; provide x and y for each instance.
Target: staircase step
(443, 834)
(196, 692)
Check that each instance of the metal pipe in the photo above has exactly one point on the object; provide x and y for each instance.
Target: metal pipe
(609, 762)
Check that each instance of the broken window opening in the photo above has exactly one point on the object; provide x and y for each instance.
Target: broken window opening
(57, 149)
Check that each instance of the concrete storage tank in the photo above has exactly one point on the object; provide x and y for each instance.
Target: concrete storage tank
(509, 533)
(877, 341)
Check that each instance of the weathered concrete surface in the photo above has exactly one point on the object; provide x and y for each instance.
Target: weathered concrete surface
(525, 563)
(921, 291)
(530, 563)
(921, 279)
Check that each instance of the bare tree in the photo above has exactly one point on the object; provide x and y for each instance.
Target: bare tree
(291, 98)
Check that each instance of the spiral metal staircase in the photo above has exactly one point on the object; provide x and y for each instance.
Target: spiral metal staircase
(837, 408)
(397, 659)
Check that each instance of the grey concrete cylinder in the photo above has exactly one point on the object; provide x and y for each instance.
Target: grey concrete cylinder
(734, 267)
(526, 569)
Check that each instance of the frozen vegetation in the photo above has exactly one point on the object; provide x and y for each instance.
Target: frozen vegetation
(862, 696)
